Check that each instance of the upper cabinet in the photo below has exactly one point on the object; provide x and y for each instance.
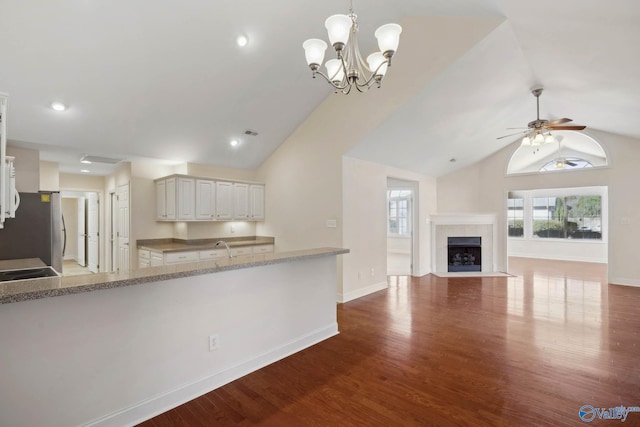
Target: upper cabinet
(256, 202)
(166, 199)
(205, 200)
(241, 201)
(186, 198)
(224, 200)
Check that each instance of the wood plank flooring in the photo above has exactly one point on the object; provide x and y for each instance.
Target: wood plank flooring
(528, 350)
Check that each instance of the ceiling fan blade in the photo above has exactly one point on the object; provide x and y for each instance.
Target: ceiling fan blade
(565, 127)
(567, 162)
(516, 128)
(559, 122)
(512, 134)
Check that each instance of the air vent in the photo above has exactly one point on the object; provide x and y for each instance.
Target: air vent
(87, 158)
(250, 132)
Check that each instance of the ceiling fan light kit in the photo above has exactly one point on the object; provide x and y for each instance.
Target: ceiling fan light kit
(349, 70)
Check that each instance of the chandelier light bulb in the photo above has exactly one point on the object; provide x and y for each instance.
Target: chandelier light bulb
(376, 60)
(335, 70)
(388, 37)
(526, 141)
(314, 52)
(338, 27)
(549, 139)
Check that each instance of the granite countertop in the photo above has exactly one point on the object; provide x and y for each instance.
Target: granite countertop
(179, 245)
(25, 290)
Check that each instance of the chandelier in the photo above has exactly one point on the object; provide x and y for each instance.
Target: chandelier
(537, 137)
(348, 70)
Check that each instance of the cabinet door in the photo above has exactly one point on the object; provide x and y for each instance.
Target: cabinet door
(241, 201)
(205, 200)
(256, 202)
(186, 199)
(170, 199)
(161, 200)
(156, 259)
(224, 200)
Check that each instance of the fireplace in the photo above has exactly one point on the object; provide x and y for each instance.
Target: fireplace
(464, 253)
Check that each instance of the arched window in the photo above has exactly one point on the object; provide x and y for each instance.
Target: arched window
(569, 151)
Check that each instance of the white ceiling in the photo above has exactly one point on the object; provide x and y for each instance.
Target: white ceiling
(164, 79)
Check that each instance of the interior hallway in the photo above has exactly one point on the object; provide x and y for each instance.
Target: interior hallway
(528, 350)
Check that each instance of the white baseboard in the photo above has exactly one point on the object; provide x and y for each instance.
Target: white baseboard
(625, 282)
(163, 402)
(359, 293)
(560, 258)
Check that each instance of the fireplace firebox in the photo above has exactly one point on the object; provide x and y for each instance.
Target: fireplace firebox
(465, 253)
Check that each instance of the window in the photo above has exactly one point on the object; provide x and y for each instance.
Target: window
(569, 217)
(568, 163)
(515, 216)
(399, 212)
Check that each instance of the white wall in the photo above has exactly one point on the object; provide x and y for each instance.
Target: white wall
(483, 187)
(122, 355)
(365, 225)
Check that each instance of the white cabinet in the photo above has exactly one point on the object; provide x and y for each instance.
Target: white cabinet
(205, 200)
(256, 202)
(242, 251)
(180, 257)
(166, 199)
(186, 197)
(224, 200)
(144, 258)
(241, 201)
(157, 259)
(262, 249)
(213, 254)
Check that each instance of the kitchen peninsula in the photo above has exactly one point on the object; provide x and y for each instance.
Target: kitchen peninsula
(115, 349)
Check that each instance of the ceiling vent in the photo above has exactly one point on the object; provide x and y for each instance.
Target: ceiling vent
(250, 132)
(88, 158)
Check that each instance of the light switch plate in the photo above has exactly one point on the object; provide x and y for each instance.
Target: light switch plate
(332, 223)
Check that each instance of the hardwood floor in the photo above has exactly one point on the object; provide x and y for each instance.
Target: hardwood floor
(529, 350)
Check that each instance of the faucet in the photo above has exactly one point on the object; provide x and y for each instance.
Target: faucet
(222, 242)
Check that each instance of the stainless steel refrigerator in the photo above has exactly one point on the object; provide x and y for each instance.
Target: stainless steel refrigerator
(36, 231)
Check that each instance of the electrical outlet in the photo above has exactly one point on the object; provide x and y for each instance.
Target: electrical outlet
(373, 272)
(233, 228)
(214, 342)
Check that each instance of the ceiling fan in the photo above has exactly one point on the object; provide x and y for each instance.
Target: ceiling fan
(539, 130)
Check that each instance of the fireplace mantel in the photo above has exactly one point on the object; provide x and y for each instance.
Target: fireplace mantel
(448, 225)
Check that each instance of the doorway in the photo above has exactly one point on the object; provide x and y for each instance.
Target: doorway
(400, 226)
(80, 232)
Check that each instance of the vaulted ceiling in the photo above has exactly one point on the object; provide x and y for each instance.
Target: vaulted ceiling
(166, 81)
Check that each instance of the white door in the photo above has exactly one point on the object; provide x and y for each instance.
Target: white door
(113, 233)
(93, 221)
(123, 228)
(82, 232)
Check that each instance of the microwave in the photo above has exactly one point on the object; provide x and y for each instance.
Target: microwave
(12, 198)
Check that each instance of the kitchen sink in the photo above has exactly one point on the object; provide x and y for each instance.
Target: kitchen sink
(27, 273)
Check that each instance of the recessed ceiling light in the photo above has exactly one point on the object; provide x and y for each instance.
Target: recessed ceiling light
(86, 162)
(242, 40)
(58, 106)
(85, 170)
(234, 143)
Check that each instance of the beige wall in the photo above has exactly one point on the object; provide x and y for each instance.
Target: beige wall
(483, 188)
(27, 165)
(49, 176)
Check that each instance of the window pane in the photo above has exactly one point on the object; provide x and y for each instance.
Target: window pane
(515, 216)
